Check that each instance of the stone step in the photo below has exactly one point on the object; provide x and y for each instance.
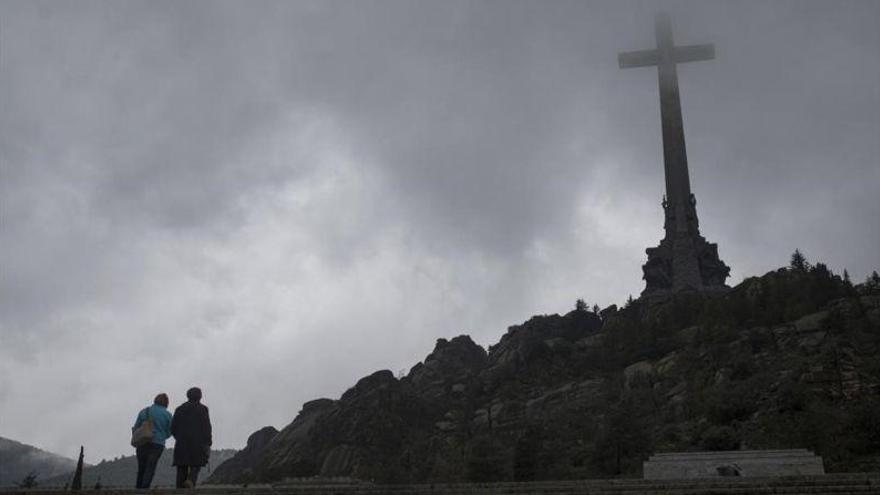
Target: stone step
(866, 490)
(606, 489)
(731, 455)
(633, 490)
(835, 484)
(830, 477)
(723, 452)
(693, 491)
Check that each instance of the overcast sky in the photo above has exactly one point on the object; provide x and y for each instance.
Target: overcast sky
(273, 199)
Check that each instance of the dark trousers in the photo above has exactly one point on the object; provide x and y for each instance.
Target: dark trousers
(190, 473)
(147, 456)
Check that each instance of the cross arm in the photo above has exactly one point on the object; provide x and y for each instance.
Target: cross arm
(640, 58)
(693, 53)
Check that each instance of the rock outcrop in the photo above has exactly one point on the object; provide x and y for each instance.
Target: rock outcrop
(239, 469)
(786, 360)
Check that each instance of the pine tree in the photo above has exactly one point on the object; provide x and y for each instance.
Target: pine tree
(29, 481)
(580, 305)
(846, 279)
(798, 261)
(821, 270)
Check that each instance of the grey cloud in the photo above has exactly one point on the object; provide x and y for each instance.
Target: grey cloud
(313, 181)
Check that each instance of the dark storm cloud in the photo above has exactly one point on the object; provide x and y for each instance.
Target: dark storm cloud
(249, 179)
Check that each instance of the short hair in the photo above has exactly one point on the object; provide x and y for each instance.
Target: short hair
(194, 394)
(161, 399)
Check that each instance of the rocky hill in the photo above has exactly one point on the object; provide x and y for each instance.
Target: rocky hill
(789, 359)
(122, 471)
(18, 460)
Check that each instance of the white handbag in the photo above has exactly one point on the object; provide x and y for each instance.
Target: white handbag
(143, 434)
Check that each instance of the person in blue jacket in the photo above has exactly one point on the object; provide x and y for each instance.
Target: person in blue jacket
(148, 455)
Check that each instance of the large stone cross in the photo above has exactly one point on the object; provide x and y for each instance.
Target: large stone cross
(684, 260)
(665, 57)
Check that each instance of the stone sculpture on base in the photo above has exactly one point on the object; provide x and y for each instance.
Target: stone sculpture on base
(684, 259)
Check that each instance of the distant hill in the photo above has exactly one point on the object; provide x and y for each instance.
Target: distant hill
(17, 460)
(121, 472)
(789, 359)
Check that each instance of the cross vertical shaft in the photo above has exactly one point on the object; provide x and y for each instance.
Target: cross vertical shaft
(665, 57)
(683, 260)
(678, 186)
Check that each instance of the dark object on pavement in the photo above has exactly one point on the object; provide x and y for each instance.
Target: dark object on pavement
(728, 470)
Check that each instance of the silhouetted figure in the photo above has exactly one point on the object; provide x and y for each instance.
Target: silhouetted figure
(149, 453)
(191, 427)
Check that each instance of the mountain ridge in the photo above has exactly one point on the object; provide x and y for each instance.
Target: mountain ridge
(18, 460)
(122, 471)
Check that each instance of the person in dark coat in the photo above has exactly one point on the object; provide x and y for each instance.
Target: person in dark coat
(191, 428)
